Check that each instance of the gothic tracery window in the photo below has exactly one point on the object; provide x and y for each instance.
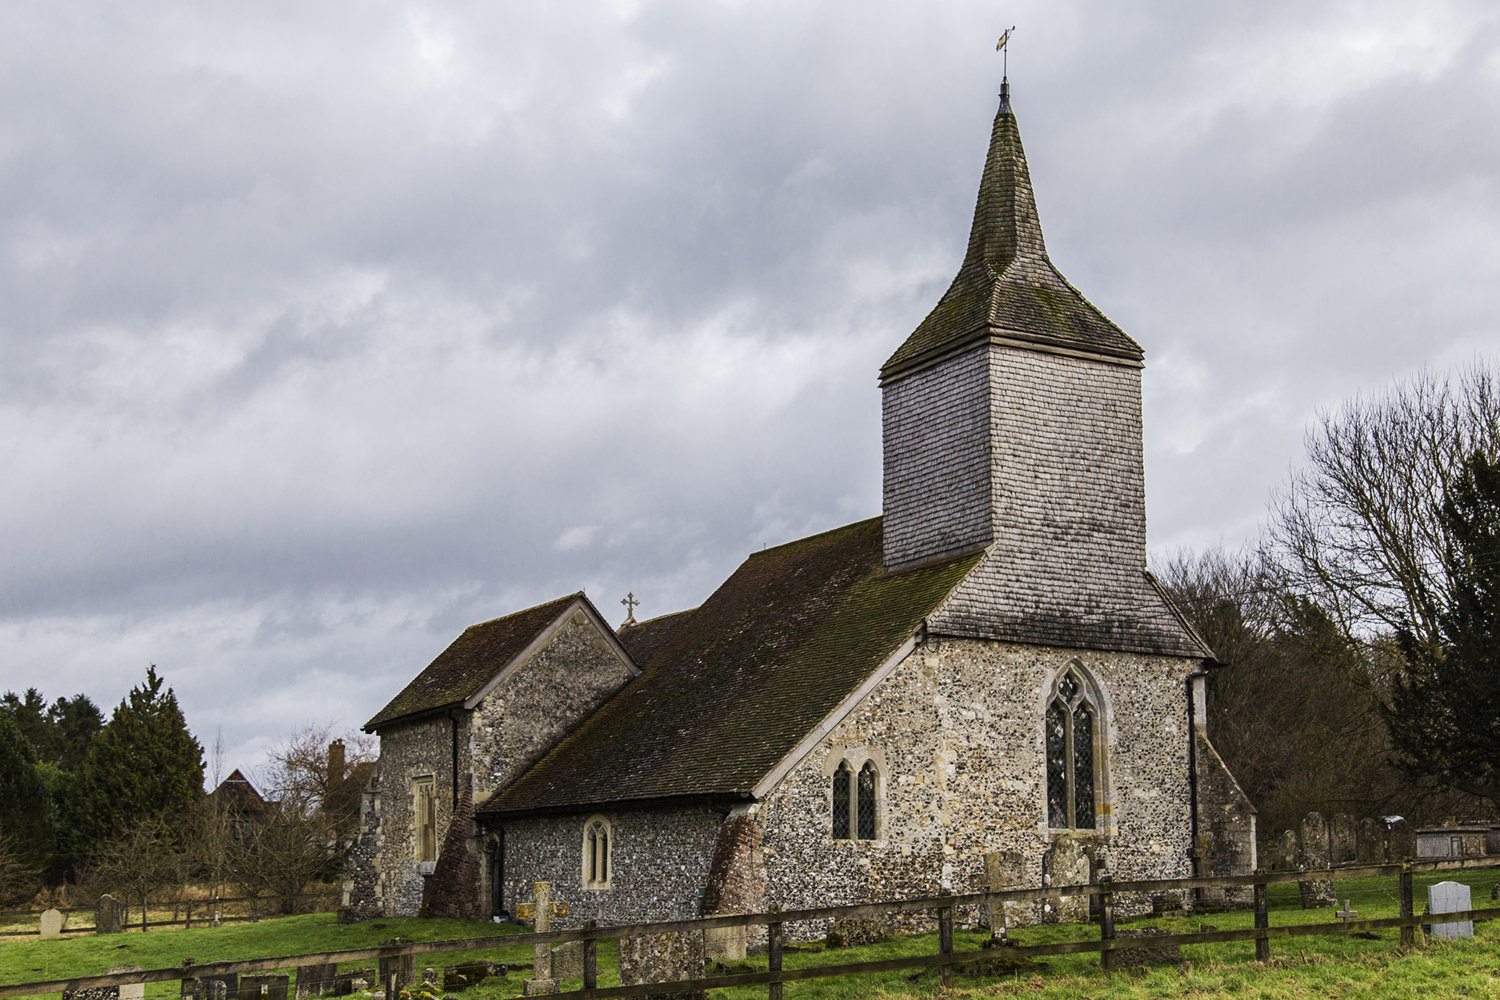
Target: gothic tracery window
(855, 802)
(1071, 759)
(596, 857)
(867, 801)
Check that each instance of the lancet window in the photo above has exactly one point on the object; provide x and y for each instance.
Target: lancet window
(855, 802)
(1072, 735)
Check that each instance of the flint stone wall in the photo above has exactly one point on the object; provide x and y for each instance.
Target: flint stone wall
(957, 732)
(659, 863)
(409, 751)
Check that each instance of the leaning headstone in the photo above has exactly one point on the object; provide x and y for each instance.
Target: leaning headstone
(1450, 897)
(270, 986)
(108, 916)
(1341, 847)
(52, 923)
(429, 977)
(1284, 856)
(567, 960)
(1400, 841)
(1313, 856)
(1369, 841)
(655, 958)
(315, 980)
(1007, 870)
(1065, 863)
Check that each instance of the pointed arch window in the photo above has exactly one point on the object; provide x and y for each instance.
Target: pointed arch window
(1071, 734)
(866, 801)
(596, 853)
(855, 802)
(841, 783)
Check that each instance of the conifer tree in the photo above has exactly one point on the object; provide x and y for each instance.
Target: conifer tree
(143, 765)
(25, 808)
(1444, 711)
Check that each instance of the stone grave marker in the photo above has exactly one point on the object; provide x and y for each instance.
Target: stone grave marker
(1314, 854)
(315, 980)
(130, 991)
(653, 958)
(108, 915)
(268, 986)
(1450, 897)
(1065, 863)
(1147, 953)
(1369, 841)
(1284, 855)
(541, 910)
(1007, 870)
(1341, 846)
(344, 982)
(567, 960)
(1401, 841)
(52, 923)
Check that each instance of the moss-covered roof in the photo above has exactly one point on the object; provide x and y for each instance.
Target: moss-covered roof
(477, 655)
(737, 685)
(1007, 287)
(642, 639)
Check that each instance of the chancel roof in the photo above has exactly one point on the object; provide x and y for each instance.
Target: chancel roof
(1007, 288)
(473, 659)
(737, 685)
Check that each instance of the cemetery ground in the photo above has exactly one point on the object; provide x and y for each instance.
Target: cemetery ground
(1371, 968)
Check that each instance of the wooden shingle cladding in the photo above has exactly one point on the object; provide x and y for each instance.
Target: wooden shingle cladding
(1007, 289)
(738, 686)
(462, 672)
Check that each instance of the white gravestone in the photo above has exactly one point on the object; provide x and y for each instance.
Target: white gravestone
(52, 923)
(1450, 897)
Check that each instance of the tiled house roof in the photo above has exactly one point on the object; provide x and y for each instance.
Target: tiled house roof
(1007, 287)
(739, 684)
(475, 657)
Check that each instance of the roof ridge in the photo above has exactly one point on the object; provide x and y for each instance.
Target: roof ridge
(773, 549)
(535, 607)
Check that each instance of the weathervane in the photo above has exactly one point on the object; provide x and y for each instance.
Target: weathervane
(630, 605)
(1003, 47)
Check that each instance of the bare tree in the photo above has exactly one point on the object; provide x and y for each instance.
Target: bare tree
(139, 862)
(1359, 528)
(18, 880)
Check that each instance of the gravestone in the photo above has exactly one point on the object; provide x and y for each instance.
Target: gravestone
(1369, 837)
(208, 987)
(52, 923)
(650, 958)
(108, 915)
(269, 986)
(316, 980)
(1007, 870)
(1400, 842)
(540, 911)
(429, 977)
(1450, 897)
(1065, 863)
(466, 974)
(1341, 846)
(1284, 855)
(129, 991)
(1314, 855)
(344, 982)
(567, 960)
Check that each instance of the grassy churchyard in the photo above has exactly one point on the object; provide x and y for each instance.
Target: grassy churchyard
(1333, 966)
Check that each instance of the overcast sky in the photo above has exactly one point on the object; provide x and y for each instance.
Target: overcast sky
(330, 329)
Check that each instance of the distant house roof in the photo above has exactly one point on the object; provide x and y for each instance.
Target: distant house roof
(1007, 288)
(475, 658)
(734, 688)
(238, 795)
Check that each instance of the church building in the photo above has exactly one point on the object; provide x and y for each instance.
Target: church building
(948, 696)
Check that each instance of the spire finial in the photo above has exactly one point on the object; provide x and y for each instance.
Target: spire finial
(1003, 47)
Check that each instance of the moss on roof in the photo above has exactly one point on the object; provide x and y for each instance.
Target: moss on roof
(792, 633)
(477, 655)
(1007, 286)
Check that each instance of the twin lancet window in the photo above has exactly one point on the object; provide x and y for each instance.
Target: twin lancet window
(1071, 725)
(854, 802)
(596, 854)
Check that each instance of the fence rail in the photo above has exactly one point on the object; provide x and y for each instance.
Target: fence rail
(396, 956)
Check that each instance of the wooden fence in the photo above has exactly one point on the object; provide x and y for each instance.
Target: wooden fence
(398, 958)
(205, 907)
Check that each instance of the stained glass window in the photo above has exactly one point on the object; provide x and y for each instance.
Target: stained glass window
(867, 802)
(841, 802)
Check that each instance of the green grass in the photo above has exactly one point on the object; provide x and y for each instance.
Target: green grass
(1327, 966)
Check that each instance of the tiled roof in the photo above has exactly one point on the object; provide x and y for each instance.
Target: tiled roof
(476, 656)
(1007, 287)
(643, 639)
(238, 795)
(734, 688)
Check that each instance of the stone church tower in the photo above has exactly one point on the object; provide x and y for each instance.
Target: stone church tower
(1012, 423)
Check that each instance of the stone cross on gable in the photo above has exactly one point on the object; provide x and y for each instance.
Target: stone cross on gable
(630, 605)
(541, 909)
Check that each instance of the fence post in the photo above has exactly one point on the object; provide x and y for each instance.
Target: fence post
(590, 957)
(773, 953)
(1262, 921)
(1106, 924)
(1408, 931)
(945, 940)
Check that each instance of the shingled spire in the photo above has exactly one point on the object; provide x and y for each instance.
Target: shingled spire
(1007, 289)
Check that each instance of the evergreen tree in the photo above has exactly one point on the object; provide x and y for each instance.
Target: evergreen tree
(1444, 711)
(60, 732)
(143, 765)
(25, 807)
